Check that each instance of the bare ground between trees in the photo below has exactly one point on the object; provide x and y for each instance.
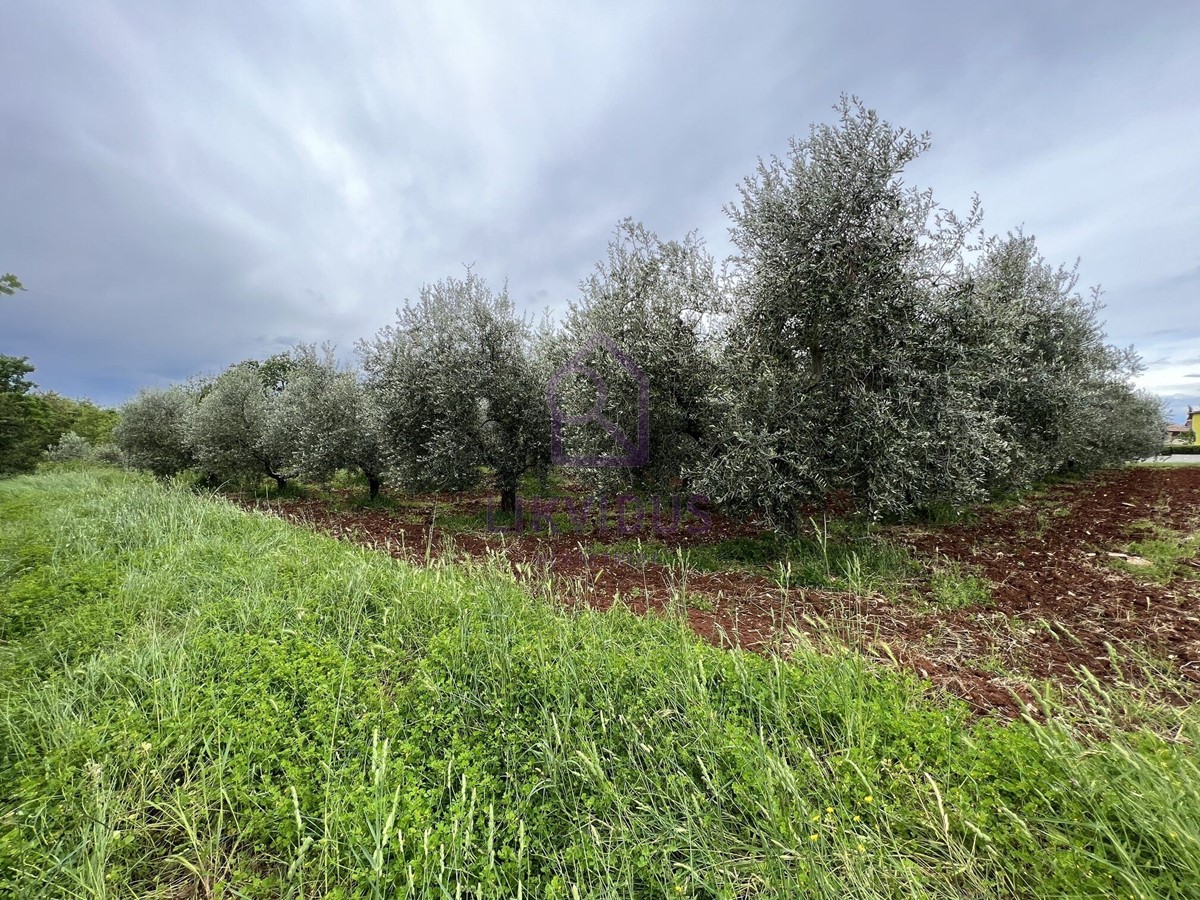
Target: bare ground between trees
(1058, 605)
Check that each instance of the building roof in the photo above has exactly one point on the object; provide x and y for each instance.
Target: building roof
(1177, 429)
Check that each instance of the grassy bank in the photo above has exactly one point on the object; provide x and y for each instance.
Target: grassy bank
(198, 701)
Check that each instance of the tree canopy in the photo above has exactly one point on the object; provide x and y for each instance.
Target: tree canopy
(459, 390)
(153, 432)
(234, 431)
(657, 302)
(875, 352)
(863, 344)
(330, 418)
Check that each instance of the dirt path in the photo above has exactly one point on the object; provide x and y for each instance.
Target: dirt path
(1057, 603)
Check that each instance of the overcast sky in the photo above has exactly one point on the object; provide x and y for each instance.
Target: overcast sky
(187, 185)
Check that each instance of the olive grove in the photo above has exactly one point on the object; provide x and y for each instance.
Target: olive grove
(864, 343)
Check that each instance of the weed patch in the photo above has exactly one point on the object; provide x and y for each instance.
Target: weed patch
(953, 586)
(1162, 555)
(857, 562)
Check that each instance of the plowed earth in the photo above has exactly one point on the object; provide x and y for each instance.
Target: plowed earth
(1058, 607)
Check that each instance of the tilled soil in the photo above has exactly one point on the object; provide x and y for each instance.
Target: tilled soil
(1050, 566)
(1058, 605)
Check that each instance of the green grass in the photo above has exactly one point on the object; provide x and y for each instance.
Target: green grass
(832, 560)
(947, 514)
(201, 701)
(1168, 552)
(954, 586)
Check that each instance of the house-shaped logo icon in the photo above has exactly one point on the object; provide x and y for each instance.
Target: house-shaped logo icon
(629, 453)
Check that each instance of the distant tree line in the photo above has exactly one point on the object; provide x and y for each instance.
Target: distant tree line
(863, 343)
(34, 422)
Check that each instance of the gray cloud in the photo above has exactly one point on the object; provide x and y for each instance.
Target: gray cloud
(186, 186)
(1191, 277)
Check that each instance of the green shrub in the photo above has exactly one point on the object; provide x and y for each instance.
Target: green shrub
(70, 448)
(74, 451)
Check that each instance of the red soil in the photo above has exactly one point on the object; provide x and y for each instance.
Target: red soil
(1057, 605)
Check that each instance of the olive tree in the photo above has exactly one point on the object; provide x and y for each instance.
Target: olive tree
(657, 302)
(459, 390)
(332, 421)
(1128, 425)
(152, 432)
(1063, 394)
(875, 352)
(836, 380)
(71, 447)
(234, 431)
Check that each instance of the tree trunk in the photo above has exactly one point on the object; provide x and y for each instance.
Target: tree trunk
(373, 484)
(508, 499)
(270, 472)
